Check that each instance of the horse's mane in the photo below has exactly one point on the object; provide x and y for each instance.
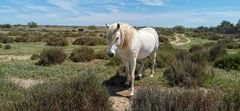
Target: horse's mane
(127, 33)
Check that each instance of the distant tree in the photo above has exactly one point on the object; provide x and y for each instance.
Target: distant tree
(238, 27)
(6, 26)
(179, 29)
(238, 23)
(32, 25)
(202, 29)
(226, 27)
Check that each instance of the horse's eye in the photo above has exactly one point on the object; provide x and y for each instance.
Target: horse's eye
(117, 38)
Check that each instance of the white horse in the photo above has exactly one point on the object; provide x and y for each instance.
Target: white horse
(132, 44)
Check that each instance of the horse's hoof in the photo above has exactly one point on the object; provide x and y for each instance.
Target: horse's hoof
(132, 93)
(151, 75)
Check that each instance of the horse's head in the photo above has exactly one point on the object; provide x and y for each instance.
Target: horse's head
(113, 38)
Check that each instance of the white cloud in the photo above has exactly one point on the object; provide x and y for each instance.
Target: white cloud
(64, 4)
(153, 2)
(37, 8)
(7, 9)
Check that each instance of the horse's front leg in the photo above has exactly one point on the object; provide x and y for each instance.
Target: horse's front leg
(132, 71)
(127, 65)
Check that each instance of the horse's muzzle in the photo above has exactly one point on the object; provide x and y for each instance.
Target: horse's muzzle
(110, 54)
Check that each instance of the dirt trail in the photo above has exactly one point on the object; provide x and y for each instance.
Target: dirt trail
(120, 98)
(14, 57)
(177, 41)
(25, 83)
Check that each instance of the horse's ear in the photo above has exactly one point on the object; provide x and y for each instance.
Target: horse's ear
(107, 25)
(118, 26)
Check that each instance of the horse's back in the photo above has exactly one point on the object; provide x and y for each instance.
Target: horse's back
(149, 41)
(150, 32)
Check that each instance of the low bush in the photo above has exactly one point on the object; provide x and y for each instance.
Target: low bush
(165, 54)
(163, 39)
(1, 45)
(229, 43)
(217, 51)
(21, 39)
(233, 45)
(57, 41)
(90, 41)
(80, 93)
(7, 46)
(228, 62)
(102, 55)
(82, 54)
(187, 70)
(176, 99)
(51, 56)
(5, 39)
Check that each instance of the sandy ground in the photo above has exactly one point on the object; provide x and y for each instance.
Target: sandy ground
(14, 57)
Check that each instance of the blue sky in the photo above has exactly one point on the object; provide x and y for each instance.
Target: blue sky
(164, 13)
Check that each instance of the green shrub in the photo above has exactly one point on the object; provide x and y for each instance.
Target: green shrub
(34, 57)
(1, 45)
(228, 62)
(195, 48)
(82, 54)
(102, 55)
(5, 39)
(176, 99)
(199, 53)
(163, 39)
(165, 54)
(90, 41)
(51, 56)
(21, 39)
(80, 93)
(186, 70)
(217, 51)
(7, 46)
(233, 45)
(57, 41)
(229, 43)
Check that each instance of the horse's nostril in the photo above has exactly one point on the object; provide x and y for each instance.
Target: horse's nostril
(110, 54)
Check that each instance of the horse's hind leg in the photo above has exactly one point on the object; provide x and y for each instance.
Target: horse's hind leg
(153, 57)
(141, 69)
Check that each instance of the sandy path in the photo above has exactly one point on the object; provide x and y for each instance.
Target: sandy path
(177, 43)
(14, 57)
(120, 98)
